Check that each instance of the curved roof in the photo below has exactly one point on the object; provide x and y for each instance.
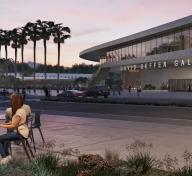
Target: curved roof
(95, 52)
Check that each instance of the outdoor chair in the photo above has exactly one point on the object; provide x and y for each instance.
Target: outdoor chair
(26, 147)
(30, 120)
(25, 144)
(37, 124)
(24, 141)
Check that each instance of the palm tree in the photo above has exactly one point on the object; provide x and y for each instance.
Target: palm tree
(6, 42)
(45, 27)
(22, 41)
(1, 40)
(60, 34)
(33, 32)
(15, 44)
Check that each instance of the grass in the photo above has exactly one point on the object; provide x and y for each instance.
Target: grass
(112, 172)
(140, 163)
(70, 169)
(183, 172)
(48, 161)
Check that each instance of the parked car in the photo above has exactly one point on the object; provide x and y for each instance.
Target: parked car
(71, 93)
(96, 91)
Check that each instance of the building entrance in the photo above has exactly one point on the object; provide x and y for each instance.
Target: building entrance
(180, 84)
(131, 78)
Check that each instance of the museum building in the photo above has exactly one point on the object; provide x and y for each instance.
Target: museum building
(160, 57)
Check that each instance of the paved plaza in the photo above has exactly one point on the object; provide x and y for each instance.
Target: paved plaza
(95, 135)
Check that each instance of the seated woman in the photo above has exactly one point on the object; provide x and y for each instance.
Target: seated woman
(17, 122)
(8, 112)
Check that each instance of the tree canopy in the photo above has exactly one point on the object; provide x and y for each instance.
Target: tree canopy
(76, 68)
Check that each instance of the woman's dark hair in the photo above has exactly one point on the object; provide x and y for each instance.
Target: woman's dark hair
(16, 103)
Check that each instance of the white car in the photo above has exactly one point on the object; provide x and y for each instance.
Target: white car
(71, 93)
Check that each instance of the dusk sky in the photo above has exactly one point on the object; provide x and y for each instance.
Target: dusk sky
(92, 22)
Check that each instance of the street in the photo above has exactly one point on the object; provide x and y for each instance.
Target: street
(143, 113)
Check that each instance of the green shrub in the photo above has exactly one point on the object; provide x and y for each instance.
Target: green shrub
(111, 172)
(16, 166)
(183, 172)
(70, 169)
(149, 87)
(48, 161)
(139, 163)
(111, 155)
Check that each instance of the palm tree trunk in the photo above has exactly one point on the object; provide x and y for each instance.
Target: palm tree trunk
(15, 65)
(34, 62)
(45, 59)
(6, 60)
(22, 51)
(58, 65)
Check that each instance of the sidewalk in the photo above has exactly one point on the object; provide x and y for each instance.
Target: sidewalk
(153, 94)
(153, 97)
(95, 135)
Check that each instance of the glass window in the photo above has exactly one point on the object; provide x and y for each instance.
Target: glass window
(115, 54)
(178, 41)
(186, 39)
(138, 50)
(165, 44)
(123, 53)
(148, 47)
(126, 52)
(190, 37)
(119, 54)
(143, 51)
(171, 46)
(159, 45)
(134, 51)
(110, 56)
(153, 46)
(130, 51)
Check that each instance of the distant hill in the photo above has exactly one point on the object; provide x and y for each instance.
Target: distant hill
(31, 64)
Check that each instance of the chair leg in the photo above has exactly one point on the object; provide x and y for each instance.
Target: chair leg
(41, 134)
(25, 149)
(27, 144)
(33, 140)
(9, 147)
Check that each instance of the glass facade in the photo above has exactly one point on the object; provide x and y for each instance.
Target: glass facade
(174, 41)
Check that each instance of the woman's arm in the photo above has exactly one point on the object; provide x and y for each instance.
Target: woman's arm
(14, 123)
(7, 123)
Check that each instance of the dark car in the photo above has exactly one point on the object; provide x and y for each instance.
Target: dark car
(71, 93)
(97, 91)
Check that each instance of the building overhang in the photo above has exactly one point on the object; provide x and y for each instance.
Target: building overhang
(96, 52)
